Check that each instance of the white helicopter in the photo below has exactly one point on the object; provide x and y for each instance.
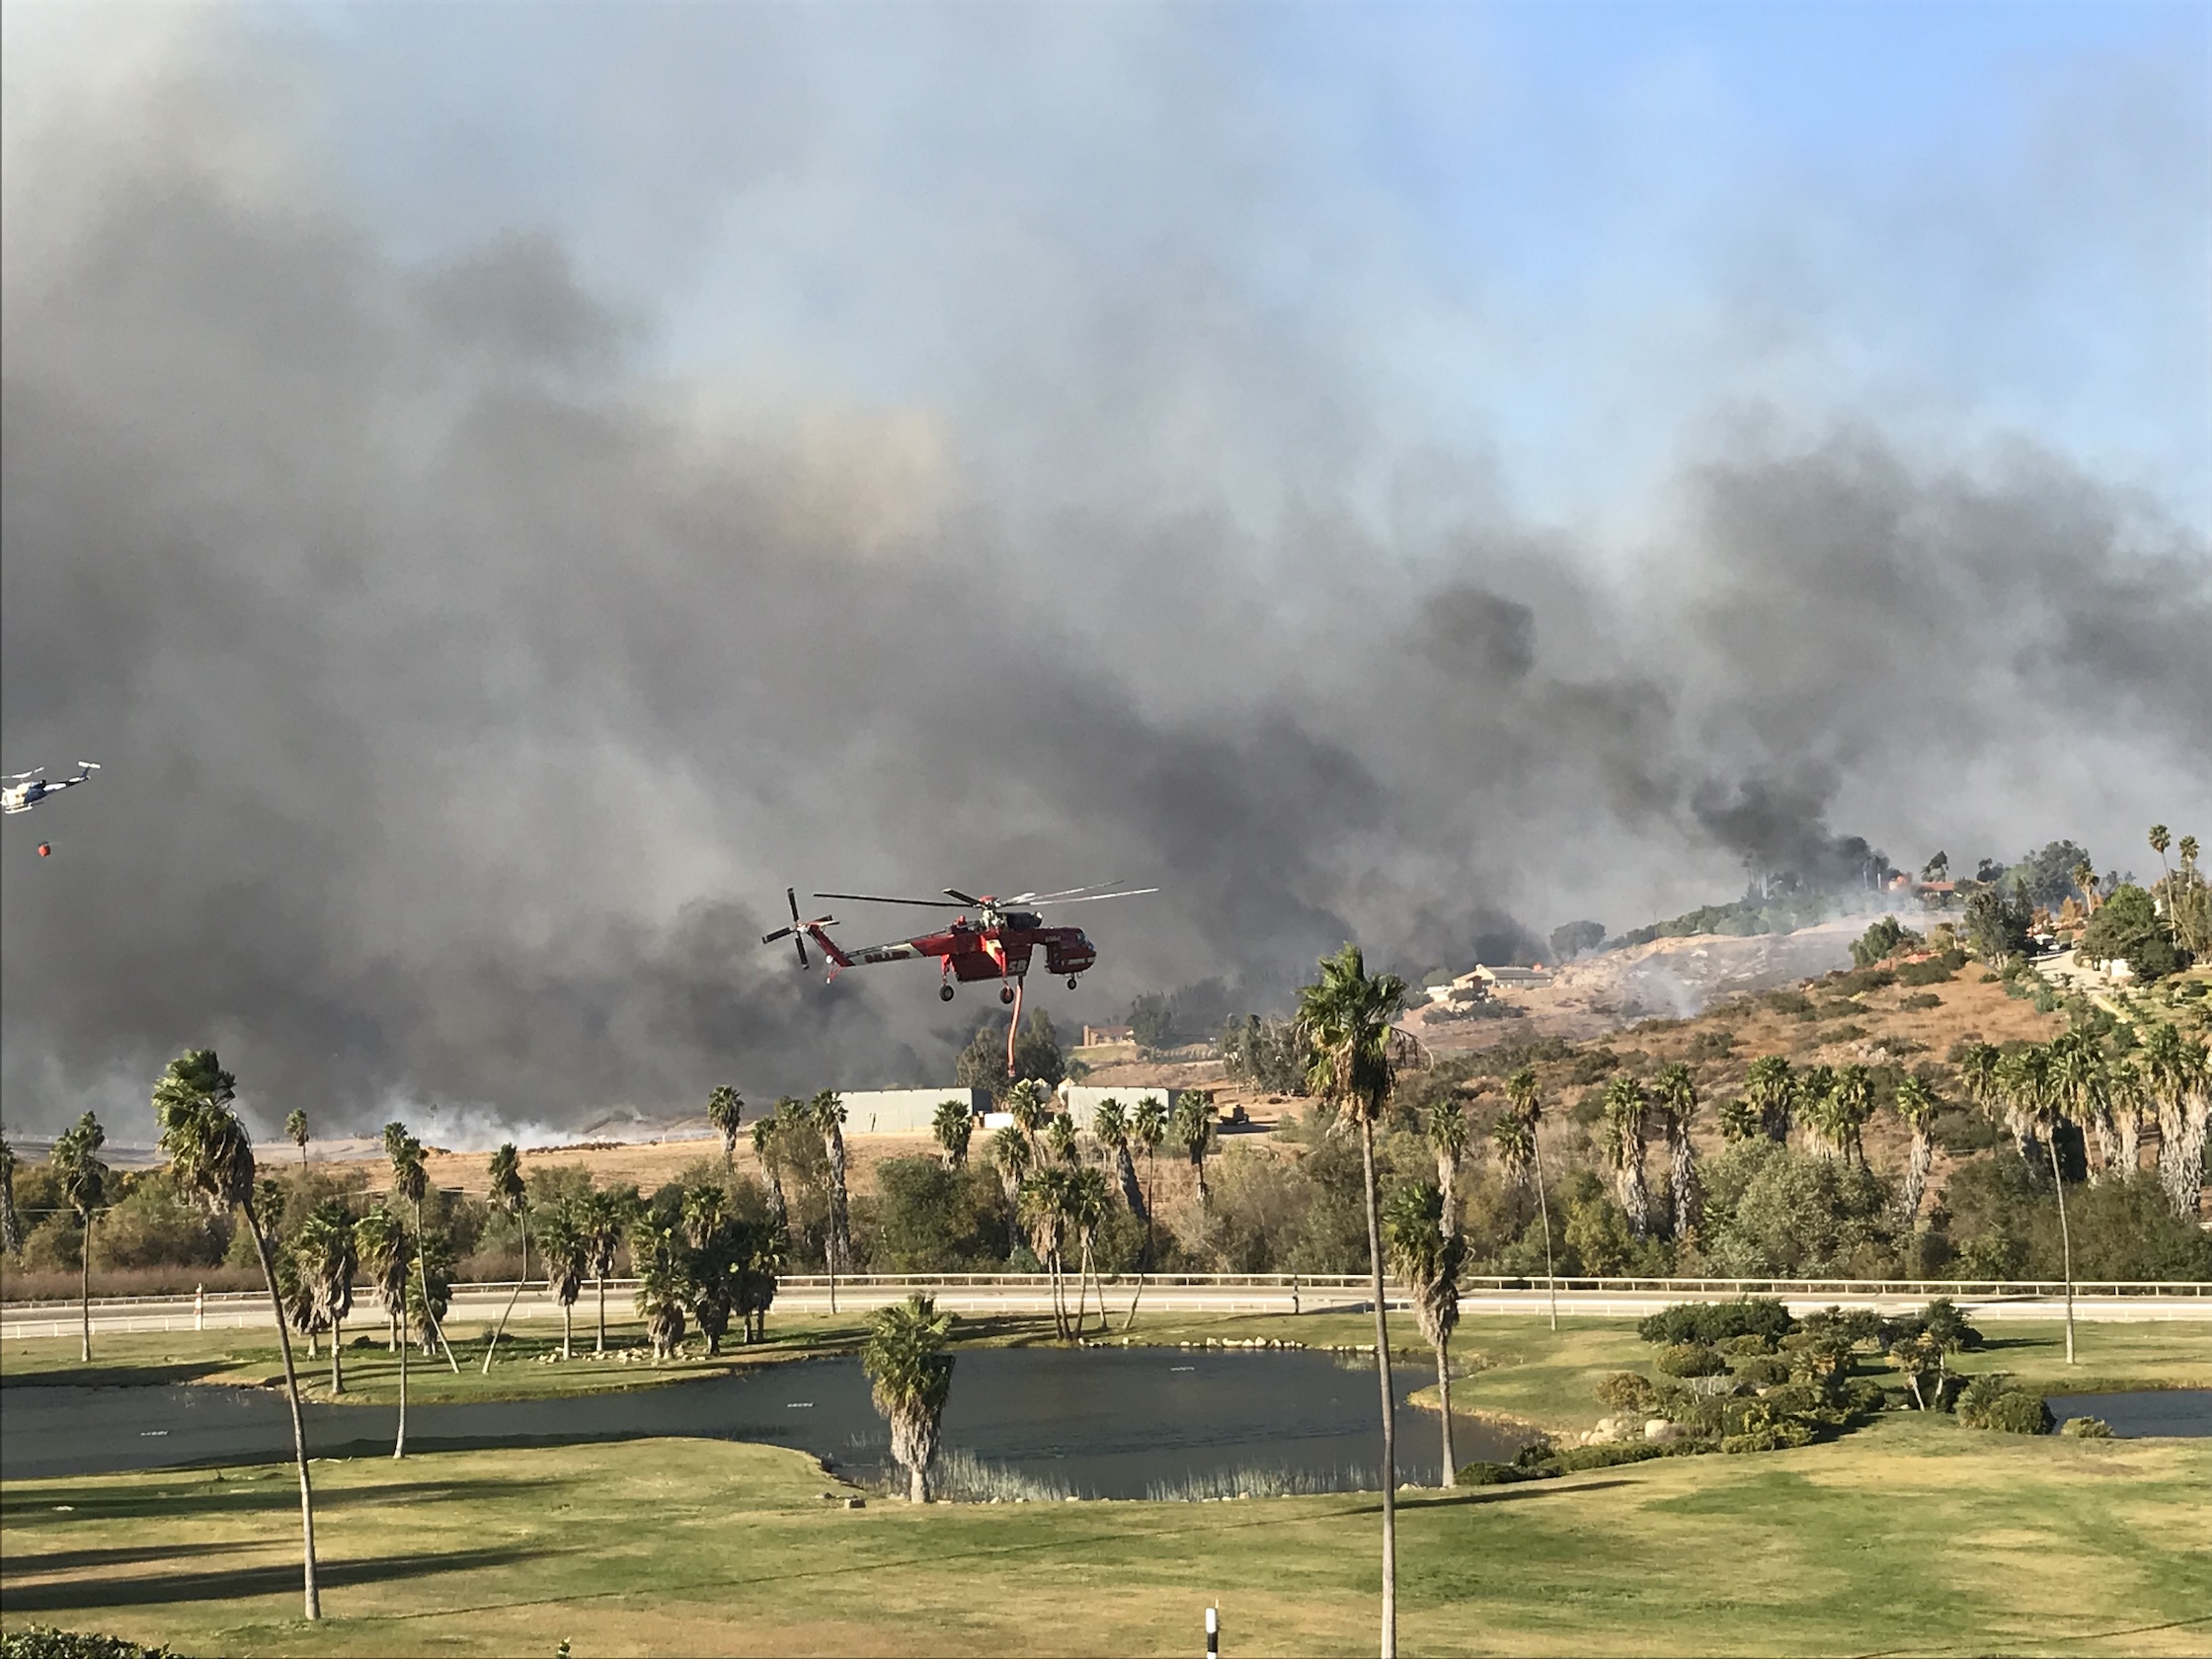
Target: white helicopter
(25, 790)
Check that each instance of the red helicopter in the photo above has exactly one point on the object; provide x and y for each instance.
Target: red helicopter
(999, 944)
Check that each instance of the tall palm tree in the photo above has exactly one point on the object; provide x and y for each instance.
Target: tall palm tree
(1770, 1089)
(2030, 1082)
(2160, 841)
(1448, 1141)
(655, 1256)
(1816, 1110)
(11, 1227)
(1428, 1259)
(1850, 1104)
(2175, 1076)
(1623, 1148)
(296, 1126)
(602, 1215)
(2084, 878)
(1010, 1152)
(1346, 1016)
(1109, 1124)
(1088, 1200)
(1025, 1104)
(1191, 1126)
(827, 1113)
(910, 1374)
(955, 1126)
(715, 1270)
(387, 1252)
(1147, 1127)
(84, 1189)
(2127, 1099)
(1043, 1209)
(1527, 1103)
(508, 1195)
(2084, 1082)
(411, 1183)
(1674, 1094)
(1977, 1078)
(328, 1259)
(768, 1146)
(726, 1112)
(2016, 1083)
(566, 1250)
(1059, 1143)
(1917, 1106)
(212, 1156)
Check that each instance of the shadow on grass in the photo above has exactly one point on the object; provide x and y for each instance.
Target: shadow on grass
(126, 1376)
(70, 1560)
(195, 1495)
(1512, 1492)
(72, 1595)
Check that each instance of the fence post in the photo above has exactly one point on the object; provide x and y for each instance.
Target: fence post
(1213, 1633)
(200, 1307)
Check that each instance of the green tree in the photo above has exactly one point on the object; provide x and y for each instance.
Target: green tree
(726, 1112)
(1917, 1106)
(910, 1376)
(1623, 1147)
(656, 1258)
(768, 1146)
(2029, 1078)
(1448, 1141)
(1521, 1146)
(566, 1249)
(1009, 1152)
(1109, 1125)
(1428, 1258)
(508, 1195)
(827, 1114)
(84, 1189)
(1087, 1204)
(601, 1217)
(2083, 1082)
(212, 1156)
(11, 1226)
(1152, 1022)
(1575, 937)
(1770, 1091)
(411, 1183)
(328, 1259)
(1997, 926)
(1190, 1126)
(2175, 1076)
(1059, 1143)
(1045, 1209)
(296, 1126)
(1147, 1127)
(1037, 1052)
(1026, 1104)
(1674, 1098)
(955, 1125)
(2127, 929)
(2160, 841)
(1347, 1015)
(387, 1252)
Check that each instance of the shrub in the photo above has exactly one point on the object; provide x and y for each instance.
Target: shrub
(1592, 1065)
(1921, 1001)
(1493, 1475)
(1692, 1359)
(45, 1641)
(2086, 1428)
(1762, 1371)
(1769, 1437)
(1860, 979)
(1714, 1322)
(1751, 1342)
(1995, 1401)
(1936, 970)
(1711, 1044)
(1625, 1390)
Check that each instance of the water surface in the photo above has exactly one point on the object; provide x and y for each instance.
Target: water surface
(2150, 1411)
(1099, 1423)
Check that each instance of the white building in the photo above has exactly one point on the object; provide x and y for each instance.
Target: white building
(911, 1111)
(1080, 1100)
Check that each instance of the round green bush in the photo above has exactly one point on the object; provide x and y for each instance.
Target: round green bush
(1995, 1401)
(1625, 1390)
(2087, 1428)
(1692, 1359)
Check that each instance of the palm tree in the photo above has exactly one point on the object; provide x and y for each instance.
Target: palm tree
(1977, 1076)
(662, 1291)
(1346, 1016)
(1088, 1199)
(1010, 1152)
(11, 1227)
(1448, 1139)
(1850, 1104)
(2174, 1073)
(1059, 1143)
(411, 1183)
(1917, 1106)
(328, 1259)
(296, 1126)
(955, 1125)
(1110, 1125)
(1043, 1209)
(1770, 1091)
(2158, 843)
(1025, 1104)
(510, 1195)
(387, 1251)
(293, 1294)
(2085, 1083)
(1428, 1258)
(84, 1189)
(212, 1156)
(1623, 1148)
(567, 1251)
(2031, 1088)
(768, 1146)
(2016, 1081)
(1676, 1091)
(726, 1112)
(827, 1113)
(1521, 1149)
(1191, 1126)
(2128, 1099)
(1147, 1127)
(2084, 878)
(911, 1378)
(601, 1215)
(1816, 1109)
(714, 1272)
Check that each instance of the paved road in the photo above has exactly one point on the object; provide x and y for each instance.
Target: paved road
(472, 1305)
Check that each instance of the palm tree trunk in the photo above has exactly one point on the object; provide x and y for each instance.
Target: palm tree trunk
(399, 1442)
(1683, 1178)
(1544, 1208)
(1389, 1646)
(491, 1347)
(2066, 1246)
(567, 1323)
(84, 1262)
(1921, 1159)
(423, 1272)
(1443, 1391)
(601, 1348)
(337, 1365)
(299, 1432)
(2131, 1132)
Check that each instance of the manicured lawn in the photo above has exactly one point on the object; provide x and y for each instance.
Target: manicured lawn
(1914, 1535)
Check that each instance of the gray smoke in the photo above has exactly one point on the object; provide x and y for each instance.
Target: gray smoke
(469, 688)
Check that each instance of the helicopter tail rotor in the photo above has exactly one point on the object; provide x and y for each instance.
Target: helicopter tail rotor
(799, 929)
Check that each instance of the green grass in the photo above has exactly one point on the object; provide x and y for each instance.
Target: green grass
(1914, 1535)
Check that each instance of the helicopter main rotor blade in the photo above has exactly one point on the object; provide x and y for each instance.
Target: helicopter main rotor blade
(964, 898)
(879, 899)
(800, 940)
(1064, 893)
(1132, 893)
(779, 933)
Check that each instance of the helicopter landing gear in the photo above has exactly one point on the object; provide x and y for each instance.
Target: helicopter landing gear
(944, 994)
(1071, 981)
(1005, 994)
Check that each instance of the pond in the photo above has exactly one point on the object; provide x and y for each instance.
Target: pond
(1033, 1422)
(2151, 1411)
